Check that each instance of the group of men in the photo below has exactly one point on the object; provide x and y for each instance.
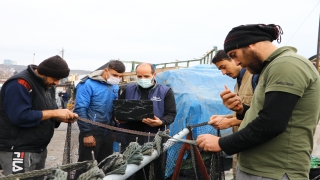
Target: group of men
(276, 103)
(29, 112)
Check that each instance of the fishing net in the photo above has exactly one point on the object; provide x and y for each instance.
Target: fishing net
(128, 147)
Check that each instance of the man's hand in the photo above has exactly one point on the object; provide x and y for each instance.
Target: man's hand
(65, 115)
(231, 101)
(61, 115)
(221, 121)
(209, 142)
(152, 122)
(89, 141)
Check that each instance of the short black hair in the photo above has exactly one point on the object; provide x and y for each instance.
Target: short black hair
(221, 55)
(153, 69)
(117, 66)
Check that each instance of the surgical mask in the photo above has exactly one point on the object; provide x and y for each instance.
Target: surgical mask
(113, 80)
(145, 83)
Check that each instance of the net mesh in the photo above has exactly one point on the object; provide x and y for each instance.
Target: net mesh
(162, 167)
(111, 143)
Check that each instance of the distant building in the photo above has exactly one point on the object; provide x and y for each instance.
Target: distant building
(9, 62)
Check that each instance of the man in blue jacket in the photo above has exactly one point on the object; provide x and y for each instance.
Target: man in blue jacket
(94, 101)
(65, 98)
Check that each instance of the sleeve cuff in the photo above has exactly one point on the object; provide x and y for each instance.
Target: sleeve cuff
(223, 145)
(241, 116)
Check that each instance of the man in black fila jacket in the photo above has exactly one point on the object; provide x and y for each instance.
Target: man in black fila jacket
(29, 114)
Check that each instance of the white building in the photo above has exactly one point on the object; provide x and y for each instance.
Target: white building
(9, 62)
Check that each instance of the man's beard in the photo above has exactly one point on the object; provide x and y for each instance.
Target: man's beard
(46, 83)
(254, 64)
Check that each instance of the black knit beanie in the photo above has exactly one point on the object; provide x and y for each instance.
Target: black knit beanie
(54, 67)
(244, 35)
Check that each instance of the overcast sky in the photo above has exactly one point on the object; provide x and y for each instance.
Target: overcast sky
(93, 32)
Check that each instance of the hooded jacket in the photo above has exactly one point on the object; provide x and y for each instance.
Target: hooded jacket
(94, 101)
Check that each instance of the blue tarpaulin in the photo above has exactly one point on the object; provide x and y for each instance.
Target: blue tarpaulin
(197, 94)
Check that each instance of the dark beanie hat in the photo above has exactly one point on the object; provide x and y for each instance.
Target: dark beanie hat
(244, 35)
(54, 67)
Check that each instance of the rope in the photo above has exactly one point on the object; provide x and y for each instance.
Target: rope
(198, 125)
(113, 164)
(116, 128)
(94, 173)
(151, 172)
(133, 153)
(158, 139)
(44, 172)
(57, 174)
(192, 142)
(147, 148)
(193, 162)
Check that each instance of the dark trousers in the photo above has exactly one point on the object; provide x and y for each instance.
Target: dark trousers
(31, 162)
(103, 149)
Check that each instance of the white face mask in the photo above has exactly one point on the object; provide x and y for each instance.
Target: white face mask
(113, 80)
(145, 83)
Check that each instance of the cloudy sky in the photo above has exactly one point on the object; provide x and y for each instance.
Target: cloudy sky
(93, 32)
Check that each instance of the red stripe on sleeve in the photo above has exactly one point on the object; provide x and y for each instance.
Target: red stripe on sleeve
(24, 83)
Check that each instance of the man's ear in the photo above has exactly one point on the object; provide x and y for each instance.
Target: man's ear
(252, 46)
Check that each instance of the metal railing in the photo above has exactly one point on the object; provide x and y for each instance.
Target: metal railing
(206, 59)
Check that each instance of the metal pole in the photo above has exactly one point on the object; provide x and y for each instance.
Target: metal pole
(62, 53)
(68, 142)
(318, 49)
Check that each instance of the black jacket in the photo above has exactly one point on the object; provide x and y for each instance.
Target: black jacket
(33, 139)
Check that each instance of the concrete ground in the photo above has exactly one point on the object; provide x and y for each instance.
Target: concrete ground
(56, 148)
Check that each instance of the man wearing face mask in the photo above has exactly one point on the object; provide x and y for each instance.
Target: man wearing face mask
(164, 105)
(94, 101)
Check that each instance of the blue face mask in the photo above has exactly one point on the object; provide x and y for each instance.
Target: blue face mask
(145, 83)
